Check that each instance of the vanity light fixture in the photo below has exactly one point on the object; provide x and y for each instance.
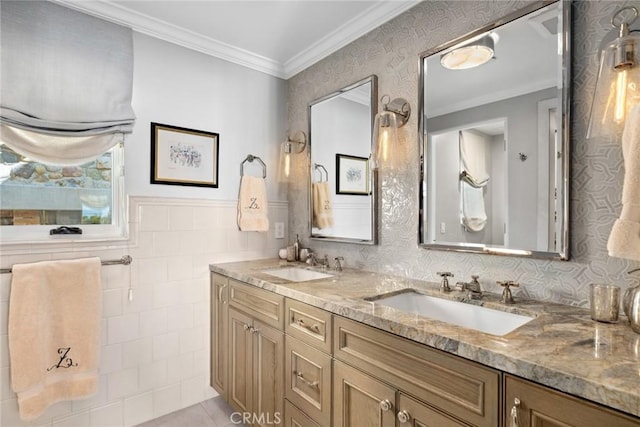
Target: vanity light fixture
(293, 145)
(618, 83)
(394, 115)
(470, 55)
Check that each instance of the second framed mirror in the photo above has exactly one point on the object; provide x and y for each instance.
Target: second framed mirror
(343, 186)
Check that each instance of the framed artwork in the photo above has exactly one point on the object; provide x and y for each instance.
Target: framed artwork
(352, 175)
(181, 156)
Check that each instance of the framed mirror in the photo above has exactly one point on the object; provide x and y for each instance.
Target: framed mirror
(494, 129)
(343, 187)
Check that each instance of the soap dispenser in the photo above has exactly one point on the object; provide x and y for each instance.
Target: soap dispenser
(296, 248)
(631, 305)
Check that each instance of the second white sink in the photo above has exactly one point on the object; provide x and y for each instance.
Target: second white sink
(470, 316)
(295, 274)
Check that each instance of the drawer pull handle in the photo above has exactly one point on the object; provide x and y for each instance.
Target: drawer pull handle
(385, 405)
(220, 294)
(313, 328)
(404, 417)
(312, 384)
(514, 413)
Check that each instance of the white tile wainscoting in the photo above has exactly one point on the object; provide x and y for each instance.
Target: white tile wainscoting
(155, 349)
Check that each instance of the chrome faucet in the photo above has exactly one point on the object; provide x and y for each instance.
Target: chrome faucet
(473, 287)
(444, 285)
(338, 266)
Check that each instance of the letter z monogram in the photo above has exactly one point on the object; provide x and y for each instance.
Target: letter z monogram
(64, 362)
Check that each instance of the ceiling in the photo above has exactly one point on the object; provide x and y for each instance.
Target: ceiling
(278, 37)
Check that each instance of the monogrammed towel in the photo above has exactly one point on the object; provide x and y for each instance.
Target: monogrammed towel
(322, 209)
(54, 332)
(252, 204)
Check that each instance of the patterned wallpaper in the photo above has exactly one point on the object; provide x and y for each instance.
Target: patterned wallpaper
(392, 53)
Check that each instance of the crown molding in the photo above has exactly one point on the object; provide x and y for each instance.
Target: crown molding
(181, 36)
(360, 25)
(144, 24)
(501, 95)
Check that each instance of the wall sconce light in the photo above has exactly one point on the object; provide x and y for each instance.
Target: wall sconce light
(470, 55)
(293, 145)
(618, 84)
(394, 115)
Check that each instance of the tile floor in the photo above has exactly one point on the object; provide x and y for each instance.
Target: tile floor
(210, 413)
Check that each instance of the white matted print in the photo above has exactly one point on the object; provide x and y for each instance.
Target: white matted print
(352, 175)
(181, 156)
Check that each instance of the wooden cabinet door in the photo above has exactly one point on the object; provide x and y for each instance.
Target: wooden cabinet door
(308, 379)
(540, 406)
(413, 413)
(240, 383)
(360, 400)
(268, 374)
(219, 333)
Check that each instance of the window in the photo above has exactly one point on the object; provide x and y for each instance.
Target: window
(36, 197)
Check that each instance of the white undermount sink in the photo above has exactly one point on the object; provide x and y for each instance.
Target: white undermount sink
(296, 274)
(470, 316)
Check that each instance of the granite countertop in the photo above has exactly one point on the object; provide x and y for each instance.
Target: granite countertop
(561, 348)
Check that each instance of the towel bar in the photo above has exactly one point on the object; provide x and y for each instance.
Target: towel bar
(250, 158)
(125, 260)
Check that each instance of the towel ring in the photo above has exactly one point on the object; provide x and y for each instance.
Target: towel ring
(318, 167)
(250, 158)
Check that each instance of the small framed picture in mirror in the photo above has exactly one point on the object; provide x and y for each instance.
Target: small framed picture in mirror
(352, 175)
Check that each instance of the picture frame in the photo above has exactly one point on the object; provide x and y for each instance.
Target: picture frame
(352, 175)
(181, 156)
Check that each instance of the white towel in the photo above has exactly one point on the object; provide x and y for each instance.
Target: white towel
(54, 332)
(473, 215)
(252, 204)
(473, 153)
(624, 240)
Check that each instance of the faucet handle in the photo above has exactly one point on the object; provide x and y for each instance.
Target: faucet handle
(474, 277)
(444, 274)
(507, 297)
(444, 286)
(338, 266)
(508, 283)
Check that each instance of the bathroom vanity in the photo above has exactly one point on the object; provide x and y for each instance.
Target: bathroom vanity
(323, 352)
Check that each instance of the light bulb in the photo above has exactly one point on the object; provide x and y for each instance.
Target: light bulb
(287, 165)
(621, 97)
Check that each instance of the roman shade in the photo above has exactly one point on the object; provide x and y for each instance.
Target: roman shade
(66, 76)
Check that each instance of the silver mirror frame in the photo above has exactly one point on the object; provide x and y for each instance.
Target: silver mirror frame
(373, 176)
(563, 253)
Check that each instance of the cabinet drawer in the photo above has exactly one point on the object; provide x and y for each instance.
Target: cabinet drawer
(447, 382)
(308, 380)
(309, 324)
(294, 417)
(262, 305)
(420, 414)
(542, 406)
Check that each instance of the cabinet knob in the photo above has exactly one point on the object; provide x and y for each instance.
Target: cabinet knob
(385, 405)
(246, 327)
(514, 413)
(404, 417)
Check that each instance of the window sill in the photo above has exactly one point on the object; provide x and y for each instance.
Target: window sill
(67, 243)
